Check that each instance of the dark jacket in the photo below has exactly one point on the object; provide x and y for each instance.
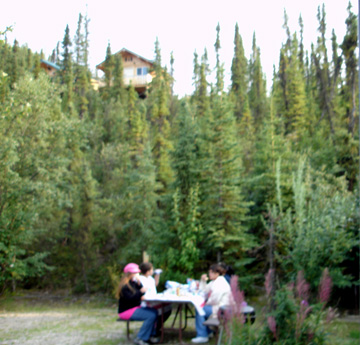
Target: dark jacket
(128, 298)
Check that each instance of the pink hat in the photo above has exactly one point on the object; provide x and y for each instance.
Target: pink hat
(132, 268)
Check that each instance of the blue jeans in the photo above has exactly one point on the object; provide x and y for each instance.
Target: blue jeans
(201, 330)
(149, 316)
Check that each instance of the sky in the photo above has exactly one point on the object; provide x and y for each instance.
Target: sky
(182, 27)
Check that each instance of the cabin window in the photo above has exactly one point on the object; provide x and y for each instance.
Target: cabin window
(142, 71)
(128, 72)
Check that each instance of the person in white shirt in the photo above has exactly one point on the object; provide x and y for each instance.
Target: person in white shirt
(150, 282)
(218, 294)
(147, 279)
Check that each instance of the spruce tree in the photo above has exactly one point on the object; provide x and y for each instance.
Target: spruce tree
(117, 90)
(67, 75)
(202, 99)
(239, 84)
(14, 72)
(257, 89)
(223, 206)
(158, 101)
(196, 74)
(108, 70)
(348, 48)
(219, 67)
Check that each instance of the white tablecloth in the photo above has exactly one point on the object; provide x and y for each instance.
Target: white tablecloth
(197, 300)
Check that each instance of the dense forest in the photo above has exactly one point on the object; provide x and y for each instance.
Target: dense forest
(256, 176)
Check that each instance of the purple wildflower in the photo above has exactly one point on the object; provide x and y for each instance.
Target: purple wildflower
(268, 282)
(304, 303)
(272, 325)
(325, 286)
(234, 315)
(290, 286)
(302, 287)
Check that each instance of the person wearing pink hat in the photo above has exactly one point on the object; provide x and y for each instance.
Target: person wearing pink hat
(130, 294)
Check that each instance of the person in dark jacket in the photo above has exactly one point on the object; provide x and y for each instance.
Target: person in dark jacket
(130, 294)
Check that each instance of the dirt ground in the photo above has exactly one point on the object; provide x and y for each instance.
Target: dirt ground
(57, 320)
(40, 319)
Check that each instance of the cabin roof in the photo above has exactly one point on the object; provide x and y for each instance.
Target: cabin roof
(51, 64)
(124, 50)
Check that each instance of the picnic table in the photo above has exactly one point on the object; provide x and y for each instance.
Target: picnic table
(183, 301)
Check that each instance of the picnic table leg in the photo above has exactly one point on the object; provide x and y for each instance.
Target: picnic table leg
(180, 326)
(176, 314)
(220, 334)
(162, 323)
(186, 317)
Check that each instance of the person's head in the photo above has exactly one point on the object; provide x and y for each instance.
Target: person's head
(215, 271)
(146, 269)
(130, 271)
(228, 269)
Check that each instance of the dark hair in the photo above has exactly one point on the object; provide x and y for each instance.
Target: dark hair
(145, 267)
(218, 269)
(228, 269)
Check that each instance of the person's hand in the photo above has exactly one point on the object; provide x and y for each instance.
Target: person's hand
(137, 279)
(143, 289)
(204, 277)
(158, 271)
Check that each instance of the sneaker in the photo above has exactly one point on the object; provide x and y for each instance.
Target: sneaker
(154, 340)
(200, 340)
(138, 341)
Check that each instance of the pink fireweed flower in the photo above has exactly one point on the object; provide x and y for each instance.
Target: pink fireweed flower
(301, 316)
(268, 282)
(302, 287)
(272, 325)
(290, 286)
(304, 303)
(233, 315)
(325, 286)
(238, 300)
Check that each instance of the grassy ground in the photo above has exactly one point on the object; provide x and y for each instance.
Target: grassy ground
(40, 318)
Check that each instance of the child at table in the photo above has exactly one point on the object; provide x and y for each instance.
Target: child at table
(130, 294)
(151, 283)
(217, 294)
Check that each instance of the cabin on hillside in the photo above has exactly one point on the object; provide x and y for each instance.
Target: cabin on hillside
(50, 68)
(137, 70)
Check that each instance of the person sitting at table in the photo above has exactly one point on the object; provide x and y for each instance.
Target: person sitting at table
(150, 282)
(217, 294)
(130, 294)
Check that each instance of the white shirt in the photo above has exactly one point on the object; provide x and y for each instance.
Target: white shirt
(149, 283)
(219, 293)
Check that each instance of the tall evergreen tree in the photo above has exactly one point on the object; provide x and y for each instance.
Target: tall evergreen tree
(348, 47)
(117, 89)
(257, 91)
(14, 73)
(67, 72)
(327, 77)
(158, 100)
(202, 99)
(219, 67)
(224, 207)
(239, 84)
(108, 71)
